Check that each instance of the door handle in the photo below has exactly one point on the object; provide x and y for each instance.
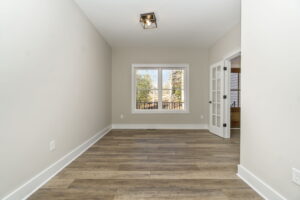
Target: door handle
(210, 102)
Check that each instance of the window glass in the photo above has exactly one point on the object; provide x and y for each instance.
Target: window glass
(173, 79)
(147, 79)
(147, 99)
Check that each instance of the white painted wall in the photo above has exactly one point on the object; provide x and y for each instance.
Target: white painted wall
(227, 44)
(55, 83)
(123, 58)
(270, 138)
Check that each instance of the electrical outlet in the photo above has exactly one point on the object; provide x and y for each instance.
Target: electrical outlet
(296, 176)
(202, 116)
(52, 145)
(122, 116)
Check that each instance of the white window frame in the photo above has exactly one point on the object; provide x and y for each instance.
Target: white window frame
(160, 67)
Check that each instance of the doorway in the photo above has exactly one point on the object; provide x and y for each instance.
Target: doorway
(235, 95)
(232, 111)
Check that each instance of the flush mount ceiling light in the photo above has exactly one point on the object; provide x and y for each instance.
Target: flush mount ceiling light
(148, 20)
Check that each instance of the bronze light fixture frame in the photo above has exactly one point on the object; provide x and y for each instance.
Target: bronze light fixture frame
(148, 20)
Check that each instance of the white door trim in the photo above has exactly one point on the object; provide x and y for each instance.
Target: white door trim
(227, 106)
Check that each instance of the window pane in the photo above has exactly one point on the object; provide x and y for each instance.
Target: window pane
(235, 88)
(147, 79)
(214, 120)
(214, 108)
(219, 122)
(235, 99)
(234, 81)
(147, 99)
(214, 73)
(173, 99)
(218, 109)
(173, 78)
(214, 97)
(214, 85)
(218, 97)
(219, 84)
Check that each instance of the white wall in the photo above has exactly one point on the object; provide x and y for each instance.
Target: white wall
(123, 58)
(55, 83)
(227, 44)
(270, 138)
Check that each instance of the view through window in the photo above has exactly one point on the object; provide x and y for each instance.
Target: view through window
(235, 88)
(160, 89)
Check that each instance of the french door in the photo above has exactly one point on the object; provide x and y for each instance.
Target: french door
(216, 99)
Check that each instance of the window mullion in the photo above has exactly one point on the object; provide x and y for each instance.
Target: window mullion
(160, 89)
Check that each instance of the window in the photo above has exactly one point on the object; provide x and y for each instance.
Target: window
(159, 88)
(235, 87)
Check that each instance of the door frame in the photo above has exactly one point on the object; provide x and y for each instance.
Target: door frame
(227, 84)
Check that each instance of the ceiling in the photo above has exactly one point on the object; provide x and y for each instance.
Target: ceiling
(181, 23)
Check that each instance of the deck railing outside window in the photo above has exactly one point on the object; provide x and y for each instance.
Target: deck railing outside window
(154, 105)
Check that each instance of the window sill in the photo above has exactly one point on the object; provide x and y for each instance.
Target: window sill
(160, 112)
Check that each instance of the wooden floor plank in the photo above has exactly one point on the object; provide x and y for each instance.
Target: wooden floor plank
(153, 165)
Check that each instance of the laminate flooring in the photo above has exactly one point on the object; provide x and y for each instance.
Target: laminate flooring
(153, 165)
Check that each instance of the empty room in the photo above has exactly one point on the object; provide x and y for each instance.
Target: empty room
(149, 100)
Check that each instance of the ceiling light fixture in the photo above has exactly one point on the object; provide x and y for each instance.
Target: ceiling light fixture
(148, 20)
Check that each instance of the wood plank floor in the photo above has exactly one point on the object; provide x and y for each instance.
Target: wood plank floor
(153, 165)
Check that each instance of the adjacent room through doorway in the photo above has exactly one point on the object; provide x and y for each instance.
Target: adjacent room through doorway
(235, 95)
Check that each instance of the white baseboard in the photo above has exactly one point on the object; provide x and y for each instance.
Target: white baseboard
(262, 188)
(160, 126)
(43, 177)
